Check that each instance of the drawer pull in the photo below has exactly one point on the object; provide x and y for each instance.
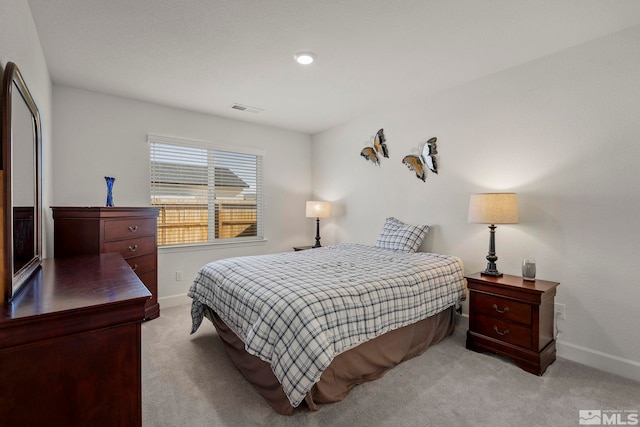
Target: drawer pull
(133, 248)
(133, 229)
(134, 266)
(506, 309)
(505, 332)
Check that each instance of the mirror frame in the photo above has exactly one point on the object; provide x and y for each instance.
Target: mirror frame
(15, 280)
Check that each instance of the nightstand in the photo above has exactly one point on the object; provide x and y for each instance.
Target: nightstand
(302, 248)
(514, 318)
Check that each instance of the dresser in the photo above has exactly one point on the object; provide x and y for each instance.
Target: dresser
(130, 231)
(70, 345)
(514, 318)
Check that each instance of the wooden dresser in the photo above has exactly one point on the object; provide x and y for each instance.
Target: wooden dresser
(70, 345)
(513, 317)
(130, 231)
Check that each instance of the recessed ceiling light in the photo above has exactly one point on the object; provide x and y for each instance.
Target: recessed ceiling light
(304, 58)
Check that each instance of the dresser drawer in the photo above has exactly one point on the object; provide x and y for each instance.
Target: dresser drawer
(149, 279)
(133, 247)
(504, 331)
(129, 228)
(142, 264)
(502, 308)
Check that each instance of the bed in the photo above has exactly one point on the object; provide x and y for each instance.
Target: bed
(308, 326)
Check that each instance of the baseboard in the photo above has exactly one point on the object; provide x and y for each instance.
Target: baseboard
(596, 359)
(174, 300)
(462, 322)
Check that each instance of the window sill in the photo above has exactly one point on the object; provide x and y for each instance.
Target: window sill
(209, 246)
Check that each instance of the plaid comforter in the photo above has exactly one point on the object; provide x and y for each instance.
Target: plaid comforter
(298, 310)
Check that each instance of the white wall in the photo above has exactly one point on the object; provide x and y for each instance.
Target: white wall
(564, 133)
(19, 43)
(98, 135)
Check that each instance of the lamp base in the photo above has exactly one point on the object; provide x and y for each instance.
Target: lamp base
(317, 245)
(492, 269)
(492, 273)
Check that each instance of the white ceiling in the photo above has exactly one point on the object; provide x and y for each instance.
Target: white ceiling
(205, 55)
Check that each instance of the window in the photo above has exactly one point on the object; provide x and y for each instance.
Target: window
(205, 193)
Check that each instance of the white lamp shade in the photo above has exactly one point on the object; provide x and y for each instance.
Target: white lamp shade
(494, 208)
(316, 209)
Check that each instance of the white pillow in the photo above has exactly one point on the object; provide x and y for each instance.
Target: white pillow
(398, 236)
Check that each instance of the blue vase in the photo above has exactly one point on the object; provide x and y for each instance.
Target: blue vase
(110, 181)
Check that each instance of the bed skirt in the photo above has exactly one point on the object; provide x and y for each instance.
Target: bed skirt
(365, 362)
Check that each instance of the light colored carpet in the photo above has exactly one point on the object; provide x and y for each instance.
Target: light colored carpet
(188, 380)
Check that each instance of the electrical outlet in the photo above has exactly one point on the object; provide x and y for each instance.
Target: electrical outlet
(559, 311)
(179, 276)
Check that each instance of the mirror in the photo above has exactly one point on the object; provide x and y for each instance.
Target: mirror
(21, 162)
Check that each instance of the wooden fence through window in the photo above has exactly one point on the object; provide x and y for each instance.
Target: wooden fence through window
(189, 223)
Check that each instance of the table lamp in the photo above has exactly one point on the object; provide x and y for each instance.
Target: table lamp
(317, 210)
(492, 209)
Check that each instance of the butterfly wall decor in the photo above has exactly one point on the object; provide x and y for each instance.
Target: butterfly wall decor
(378, 147)
(426, 157)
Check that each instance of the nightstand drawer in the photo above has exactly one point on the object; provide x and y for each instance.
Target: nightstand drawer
(502, 308)
(129, 228)
(504, 331)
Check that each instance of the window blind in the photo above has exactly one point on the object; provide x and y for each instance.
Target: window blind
(205, 193)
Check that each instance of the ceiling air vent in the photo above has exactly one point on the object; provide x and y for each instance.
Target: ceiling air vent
(246, 108)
